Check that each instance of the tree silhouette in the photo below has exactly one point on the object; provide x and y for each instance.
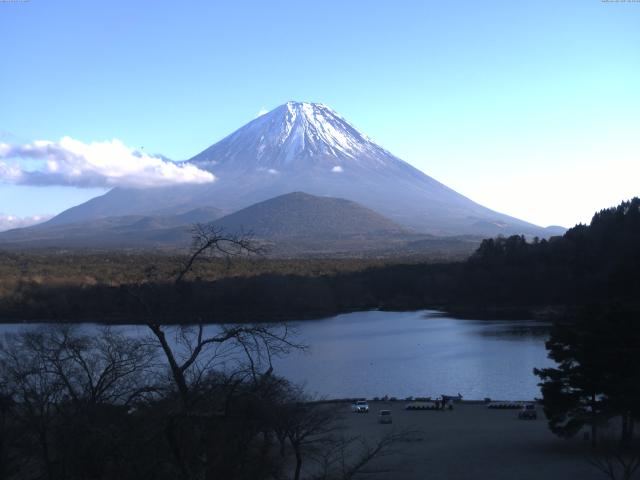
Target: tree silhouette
(597, 377)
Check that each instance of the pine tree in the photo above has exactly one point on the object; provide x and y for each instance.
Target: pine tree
(573, 392)
(598, 375)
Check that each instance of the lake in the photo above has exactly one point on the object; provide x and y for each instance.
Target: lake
(401, 354)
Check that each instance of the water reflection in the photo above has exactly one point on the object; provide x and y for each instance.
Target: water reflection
(517, 333)
(419, 354)
(408, 354)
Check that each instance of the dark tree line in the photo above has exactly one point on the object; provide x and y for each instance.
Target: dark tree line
(596, 262)
(509, 276)
(595, 387)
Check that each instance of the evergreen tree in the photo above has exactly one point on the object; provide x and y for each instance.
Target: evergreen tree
(573, 392)
(597, 377)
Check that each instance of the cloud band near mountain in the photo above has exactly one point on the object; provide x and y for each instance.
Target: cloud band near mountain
(7, 222)
(70, 162)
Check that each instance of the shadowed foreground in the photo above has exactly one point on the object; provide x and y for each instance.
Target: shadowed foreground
(472, 442)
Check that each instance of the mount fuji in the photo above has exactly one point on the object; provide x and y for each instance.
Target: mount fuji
(307, 147)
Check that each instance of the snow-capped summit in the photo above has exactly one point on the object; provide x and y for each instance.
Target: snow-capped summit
(295, 135)
(307, 147)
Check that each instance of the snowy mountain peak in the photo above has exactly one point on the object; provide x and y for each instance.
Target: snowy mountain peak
(307, 147)
(319, 129)
(293, 136)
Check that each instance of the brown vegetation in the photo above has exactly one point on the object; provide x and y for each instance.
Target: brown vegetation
(112, 268)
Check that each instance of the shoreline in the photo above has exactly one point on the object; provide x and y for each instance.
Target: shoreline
(409, 400)
(540, 313)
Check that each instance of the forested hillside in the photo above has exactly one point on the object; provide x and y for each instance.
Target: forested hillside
(511, 277)
(588, 263)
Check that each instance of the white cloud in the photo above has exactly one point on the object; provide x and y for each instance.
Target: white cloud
(7, 222)
(70, 162)
(337, 169)
(270, 171)
(261, 112)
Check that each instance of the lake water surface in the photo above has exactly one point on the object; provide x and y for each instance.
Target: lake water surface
(374, 353)
(418, 354)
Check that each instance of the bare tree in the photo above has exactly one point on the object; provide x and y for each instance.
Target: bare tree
(36, 393)
(241, 352)
(310, 428)
(61, 383)
(615, 459)
(209, 239)
(346, 458)
(105, 368)
(258, 343)
(11, 435)
(315, 433)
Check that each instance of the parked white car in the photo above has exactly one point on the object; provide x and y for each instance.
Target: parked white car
(384, 416)
(361, 406)
(528, 412)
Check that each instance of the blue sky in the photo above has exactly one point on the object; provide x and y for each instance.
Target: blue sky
(530, 108)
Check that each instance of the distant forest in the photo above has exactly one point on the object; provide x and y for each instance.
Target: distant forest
(505, 277)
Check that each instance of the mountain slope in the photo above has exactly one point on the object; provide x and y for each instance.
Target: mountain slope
(306, 147)
(291, 225)
(129, 231)
(301, 215)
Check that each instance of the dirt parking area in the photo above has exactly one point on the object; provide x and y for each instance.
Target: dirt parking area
(471, 442)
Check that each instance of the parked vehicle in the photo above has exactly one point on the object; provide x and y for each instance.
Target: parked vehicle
(528, 412)
(361, 406)
(384, 416)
